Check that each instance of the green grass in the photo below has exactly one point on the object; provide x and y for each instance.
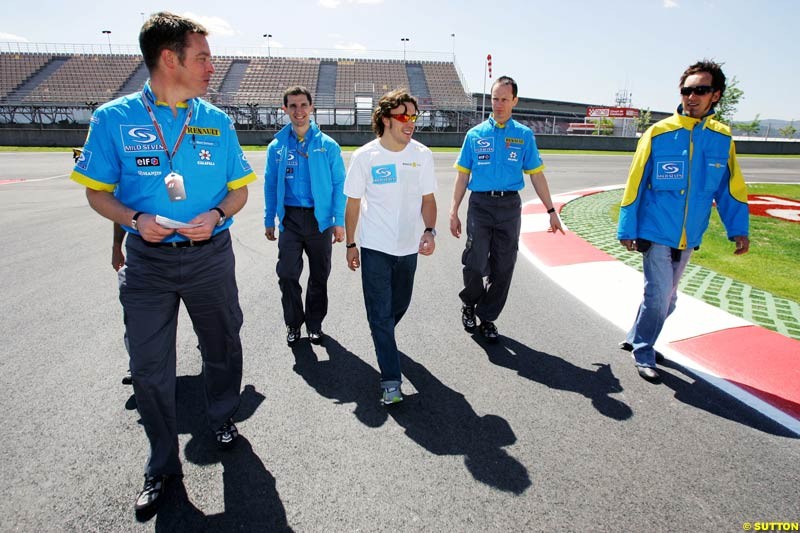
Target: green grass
(774, 256)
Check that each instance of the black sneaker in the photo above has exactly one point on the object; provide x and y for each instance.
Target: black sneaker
(150, 496)
(468, 317)
(292, 335)
(489, 331)
(127, 380)
(628, 347)
(315, 336)
(227, 435)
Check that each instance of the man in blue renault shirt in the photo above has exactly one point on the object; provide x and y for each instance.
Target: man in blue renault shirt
(683, 165)
(172, 155)
(303, 187)
(494, 157)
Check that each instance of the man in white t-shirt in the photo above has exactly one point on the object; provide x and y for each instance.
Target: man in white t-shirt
(389, 187)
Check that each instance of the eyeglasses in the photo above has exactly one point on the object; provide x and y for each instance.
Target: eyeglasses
(403, 117)
(699, 90)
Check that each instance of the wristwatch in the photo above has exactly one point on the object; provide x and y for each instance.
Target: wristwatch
(222, 216)
(432, 231)
(135, 219)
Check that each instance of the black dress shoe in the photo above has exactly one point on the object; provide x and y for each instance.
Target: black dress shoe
(650, 374)
(628, 347)
(150, 496)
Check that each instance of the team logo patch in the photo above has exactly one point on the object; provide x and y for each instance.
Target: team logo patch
(289, 172)
(514, 140)
(384, 174)
(291, 158)
(139, 138)
(205, 155)
(484, 157)
(484, 145)
(196, 130)
(243, 161)
(83, 160)
(148, 162)
(669, 170)
(513, 156)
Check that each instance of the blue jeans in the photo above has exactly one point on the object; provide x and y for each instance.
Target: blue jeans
(387, 281)
(661, 277)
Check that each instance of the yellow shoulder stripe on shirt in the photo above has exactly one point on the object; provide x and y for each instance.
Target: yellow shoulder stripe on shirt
(88, 182)
(461, 169)
(241, 182)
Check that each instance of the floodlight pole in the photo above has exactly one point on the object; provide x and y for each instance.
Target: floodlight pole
(107, 33)
(269, 49)
(404, 40)
(453, 35)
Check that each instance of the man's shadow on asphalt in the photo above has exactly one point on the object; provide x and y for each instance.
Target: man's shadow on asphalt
(437, 418)
(700, 394)
(597, 385)
(252, 502)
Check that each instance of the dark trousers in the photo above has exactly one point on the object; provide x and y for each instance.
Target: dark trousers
(387, 281)
(152, 284)
(301, 234)
(493, 226)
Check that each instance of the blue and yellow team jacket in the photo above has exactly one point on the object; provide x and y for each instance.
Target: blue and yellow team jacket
(326, 169)
(681, 165)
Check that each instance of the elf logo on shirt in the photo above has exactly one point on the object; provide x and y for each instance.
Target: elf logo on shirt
(384, 174)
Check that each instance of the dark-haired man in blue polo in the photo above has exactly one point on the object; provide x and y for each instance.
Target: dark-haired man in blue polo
(495, 156)
(179, 173)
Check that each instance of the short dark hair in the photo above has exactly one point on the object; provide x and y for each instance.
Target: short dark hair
(166, 30)
(390, 100)
(294, 91)
(506, 80)
(706, 65)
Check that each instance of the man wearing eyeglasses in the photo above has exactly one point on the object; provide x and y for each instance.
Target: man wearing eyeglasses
(495, 156)
(303, 188)
(389, 187)
(682, 166)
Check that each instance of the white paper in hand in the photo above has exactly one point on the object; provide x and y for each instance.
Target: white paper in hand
(173, 224)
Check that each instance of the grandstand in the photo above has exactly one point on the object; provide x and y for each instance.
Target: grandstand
(64, 87)
(51, 87)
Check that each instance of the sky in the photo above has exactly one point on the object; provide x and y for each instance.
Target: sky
(568, 50)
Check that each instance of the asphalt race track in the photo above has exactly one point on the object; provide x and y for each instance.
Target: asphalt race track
(551, 430)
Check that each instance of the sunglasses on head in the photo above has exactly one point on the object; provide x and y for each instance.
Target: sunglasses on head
(699, 90)
(404, 117)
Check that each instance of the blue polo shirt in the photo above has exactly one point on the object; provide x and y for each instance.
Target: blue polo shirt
(298, 179)
(497, 155)
(123, 154)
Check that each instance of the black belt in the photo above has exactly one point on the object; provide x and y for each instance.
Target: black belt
(496, 194)
(299, 207)
(176, 244)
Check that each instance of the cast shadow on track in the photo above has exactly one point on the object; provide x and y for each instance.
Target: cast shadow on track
(597, 385)
(437, 418)
(700, 394)
(252, 502)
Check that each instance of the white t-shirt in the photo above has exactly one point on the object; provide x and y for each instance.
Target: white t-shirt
(391, 186)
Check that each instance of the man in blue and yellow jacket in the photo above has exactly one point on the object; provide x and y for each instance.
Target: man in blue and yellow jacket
(303, 187)
(683, 165)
